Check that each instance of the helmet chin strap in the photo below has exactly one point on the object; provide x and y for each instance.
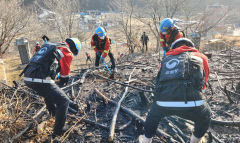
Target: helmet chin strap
(102, 37)
(67, 45)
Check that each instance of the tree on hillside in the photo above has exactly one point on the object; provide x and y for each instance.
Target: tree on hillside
(13, 22)
(201, 23)
(154, 12)
(127, 10)
(64, 17)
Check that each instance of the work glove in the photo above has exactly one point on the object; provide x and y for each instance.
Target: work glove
(94, 48)
(63, 81)
(45, 38)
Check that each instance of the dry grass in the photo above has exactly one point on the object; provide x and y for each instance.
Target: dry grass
(235, 40)
(12, 65)
(1, 71)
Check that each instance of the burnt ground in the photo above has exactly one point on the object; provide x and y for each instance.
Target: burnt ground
(91, 124)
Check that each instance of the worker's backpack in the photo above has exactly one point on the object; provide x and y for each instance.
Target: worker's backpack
(180, 78)
(44, 63)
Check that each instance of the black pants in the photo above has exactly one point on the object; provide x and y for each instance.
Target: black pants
(145, 44)
(199, 115)
(111, 59)
(56, 101)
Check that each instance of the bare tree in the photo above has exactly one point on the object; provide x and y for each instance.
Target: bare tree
(201, 23)
(127, 10)
(152, 19)
(64, 17)
(155, 10)
(13, 21)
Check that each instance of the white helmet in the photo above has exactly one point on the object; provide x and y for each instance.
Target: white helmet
(183, 41)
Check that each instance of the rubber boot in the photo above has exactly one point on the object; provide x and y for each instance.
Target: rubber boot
(144, 139)
(195, 139)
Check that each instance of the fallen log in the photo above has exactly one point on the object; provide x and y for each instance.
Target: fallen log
(35, 117)
(123, 84)
(228, 94)
(179, 131)
(215, 122)
(67, 133)
(114, 118)
(101, 95)
(81, 80)
(142, 121)
(226, 90)
(93, 123)
(125, 125)
(173, 130)
(214, 137)
(73, 93)
(226, 78)
(225, 123)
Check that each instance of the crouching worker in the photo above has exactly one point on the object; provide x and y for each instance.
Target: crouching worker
(40, 74)
(179, 90)
(101, 45)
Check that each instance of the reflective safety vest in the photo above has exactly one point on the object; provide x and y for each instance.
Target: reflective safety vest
(180, 78)
(45, 63)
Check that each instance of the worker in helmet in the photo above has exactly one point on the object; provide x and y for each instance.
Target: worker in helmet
(37, 47)
(41, 72)
(179, 90)
(169, 32)
(101, 44)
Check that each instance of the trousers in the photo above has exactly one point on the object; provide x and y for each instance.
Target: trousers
(111, 59)
(200, 115)
(56, 102)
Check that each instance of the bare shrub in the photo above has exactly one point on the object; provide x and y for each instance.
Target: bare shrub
(64, 17)
(13, 21)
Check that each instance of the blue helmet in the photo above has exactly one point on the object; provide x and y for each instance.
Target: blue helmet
(166, 24)
(74, 45)
(100, 32)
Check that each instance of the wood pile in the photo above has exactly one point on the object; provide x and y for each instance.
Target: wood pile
(115, 110)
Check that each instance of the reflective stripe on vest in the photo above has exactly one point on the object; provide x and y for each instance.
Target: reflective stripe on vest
(180, 103)
(64, 76)
(38, 80)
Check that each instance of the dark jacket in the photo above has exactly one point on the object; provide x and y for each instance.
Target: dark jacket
(183, 74)
(48, 61)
